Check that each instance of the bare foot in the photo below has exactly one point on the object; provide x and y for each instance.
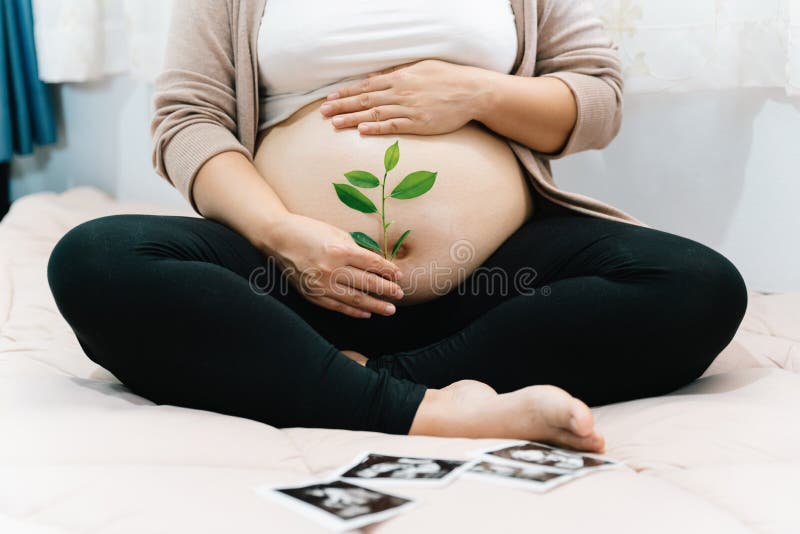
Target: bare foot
(472, 409)
(355, 356)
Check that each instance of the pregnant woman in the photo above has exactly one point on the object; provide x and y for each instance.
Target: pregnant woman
(512, 306)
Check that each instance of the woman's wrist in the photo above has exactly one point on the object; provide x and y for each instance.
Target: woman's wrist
(268, 232)
(229, 189)
(481, 85)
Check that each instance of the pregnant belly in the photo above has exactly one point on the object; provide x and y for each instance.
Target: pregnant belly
(479, 199)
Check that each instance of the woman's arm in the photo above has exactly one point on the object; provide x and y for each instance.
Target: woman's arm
(195, 94)
(574, 100)
(196, 149)
(539, 113)
(229, 189)
(194, 125)
(322, 261)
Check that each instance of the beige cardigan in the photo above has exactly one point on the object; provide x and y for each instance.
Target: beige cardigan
(206, 99)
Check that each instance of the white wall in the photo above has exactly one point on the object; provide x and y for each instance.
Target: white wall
(104, 141)
(721, 168)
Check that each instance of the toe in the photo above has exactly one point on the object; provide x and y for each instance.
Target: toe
(581, 421)
(601, 447)
(591, 443)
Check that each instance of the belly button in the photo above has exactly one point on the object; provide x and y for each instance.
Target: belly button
(402, 252)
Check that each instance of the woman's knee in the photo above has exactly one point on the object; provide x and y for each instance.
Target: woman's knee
(691, 280)
(712, 284)
(82, 259)
(696, 299)
(707, 306)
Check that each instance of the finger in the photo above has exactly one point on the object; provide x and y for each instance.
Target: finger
(366, 281)
(341, 307)
(359, 102)
(373, 263)
(392, 126)
(371, 114)
(360, 300)
(367, 85)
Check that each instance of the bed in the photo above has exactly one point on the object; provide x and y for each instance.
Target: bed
(81, 453)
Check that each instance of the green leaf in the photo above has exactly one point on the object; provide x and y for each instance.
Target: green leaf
(364, 179)
(399, 242)
(366, 241)
(392, 156)
(415, 184)
(354, 198)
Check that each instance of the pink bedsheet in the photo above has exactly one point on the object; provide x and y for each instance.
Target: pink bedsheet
(81, 453)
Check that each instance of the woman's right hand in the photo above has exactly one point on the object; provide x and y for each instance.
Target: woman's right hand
(329, 269)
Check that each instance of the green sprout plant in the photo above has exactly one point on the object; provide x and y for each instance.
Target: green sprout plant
(414, 185)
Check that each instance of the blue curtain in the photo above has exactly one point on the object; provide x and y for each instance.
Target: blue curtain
(26, 107)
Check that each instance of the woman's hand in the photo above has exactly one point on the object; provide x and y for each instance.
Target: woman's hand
(426, 97)
(329, 269)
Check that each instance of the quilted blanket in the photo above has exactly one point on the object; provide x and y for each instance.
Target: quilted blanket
(81, 453)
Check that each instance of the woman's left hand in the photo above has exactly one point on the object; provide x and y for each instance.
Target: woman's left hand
(426, 97)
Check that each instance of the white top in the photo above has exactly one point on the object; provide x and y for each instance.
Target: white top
(307, 49)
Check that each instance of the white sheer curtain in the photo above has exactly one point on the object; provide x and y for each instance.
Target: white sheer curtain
(83, 40)
(665, 45)
(689, 45)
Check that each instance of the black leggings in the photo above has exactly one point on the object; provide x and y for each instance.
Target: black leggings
(185, 311)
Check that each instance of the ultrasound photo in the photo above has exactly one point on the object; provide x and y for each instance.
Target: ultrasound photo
(532, 478)
(513, 471)
(387, 468)
(345, 500)
(339, 504)
(538, 454)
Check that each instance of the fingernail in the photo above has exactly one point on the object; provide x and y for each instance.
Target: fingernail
(324, 108)
(365, 315)
(399, 293)
(333, 96)
(390, 309)
(338, 121)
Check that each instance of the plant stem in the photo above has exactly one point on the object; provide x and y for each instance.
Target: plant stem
(383, 214)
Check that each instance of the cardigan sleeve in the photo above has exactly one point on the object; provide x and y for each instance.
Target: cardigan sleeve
(574, 47)
(194, 96)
